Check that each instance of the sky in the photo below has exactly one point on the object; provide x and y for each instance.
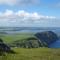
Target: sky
(29, 13)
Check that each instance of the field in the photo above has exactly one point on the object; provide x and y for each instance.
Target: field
(9, 38)
(31, 53)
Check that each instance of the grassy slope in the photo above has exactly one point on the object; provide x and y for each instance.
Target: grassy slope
(10, 38)
(29, 54)
(33, 54)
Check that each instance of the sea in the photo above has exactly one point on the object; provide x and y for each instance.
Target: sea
(29, 29)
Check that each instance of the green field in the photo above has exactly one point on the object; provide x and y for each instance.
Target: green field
(9, 38)
(33, 54)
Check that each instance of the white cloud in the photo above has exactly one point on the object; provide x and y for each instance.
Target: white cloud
(20, 2)
(24, 14)
(11, 18)
(8, 2)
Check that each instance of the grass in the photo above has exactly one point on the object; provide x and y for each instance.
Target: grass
(28, 54)
(9, 38)
(33, 54)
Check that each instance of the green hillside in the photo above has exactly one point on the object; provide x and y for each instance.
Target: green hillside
(33, 54)
(9, 38)
(41, 53)
(29, 40)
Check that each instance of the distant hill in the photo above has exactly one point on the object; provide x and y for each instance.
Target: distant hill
(40, 39)
(29, 29)
(47, 37)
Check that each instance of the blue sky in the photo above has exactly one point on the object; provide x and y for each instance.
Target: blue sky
(33, 13)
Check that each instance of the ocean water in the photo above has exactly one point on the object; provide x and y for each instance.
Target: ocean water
(56, 44)
(29, 29)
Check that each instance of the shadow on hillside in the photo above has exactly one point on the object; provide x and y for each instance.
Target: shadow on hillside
(5, 49)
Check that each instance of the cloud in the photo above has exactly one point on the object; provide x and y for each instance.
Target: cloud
(21, 17)
(24, 15)
(8, 2)
(20, 2)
